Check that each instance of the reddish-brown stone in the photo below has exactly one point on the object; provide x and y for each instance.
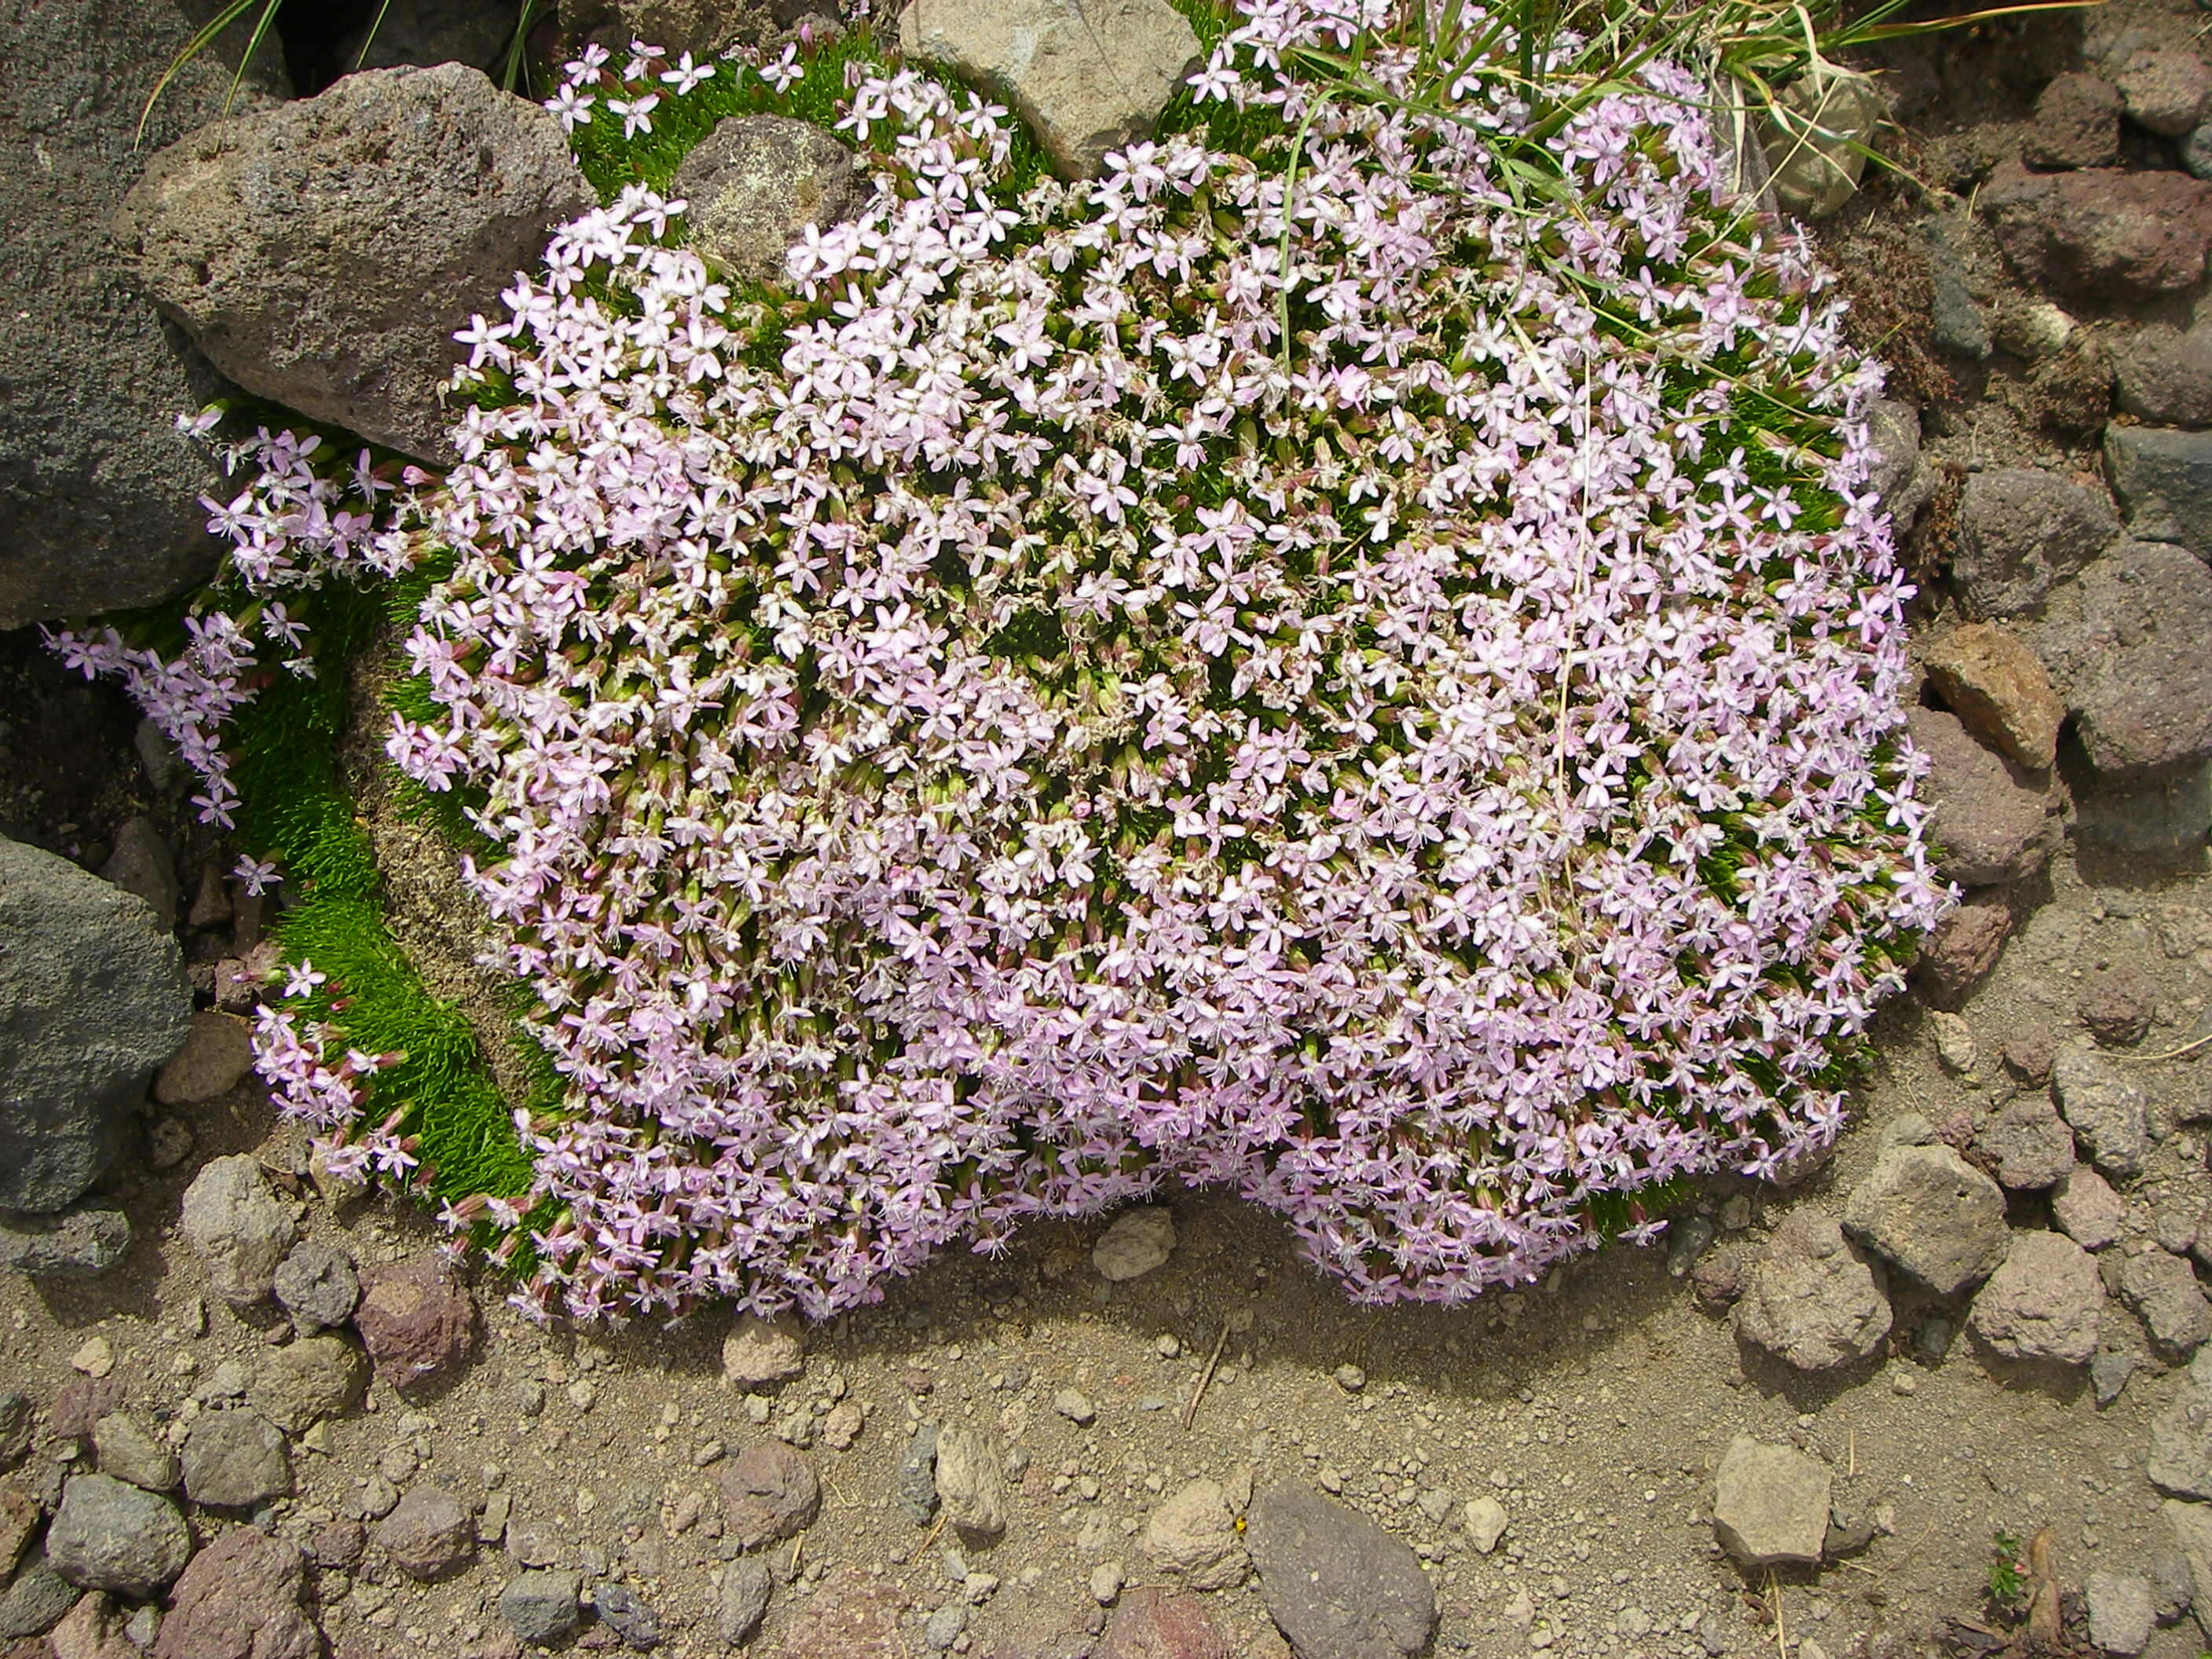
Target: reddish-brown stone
(417, 1321)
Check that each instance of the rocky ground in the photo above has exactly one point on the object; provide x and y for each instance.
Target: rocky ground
(1950, 1393)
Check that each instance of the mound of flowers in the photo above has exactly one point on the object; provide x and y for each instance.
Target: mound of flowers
(1303, 665)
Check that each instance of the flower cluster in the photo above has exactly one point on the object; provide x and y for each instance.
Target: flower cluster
(306, 515)
(332, 1098)
(1294, 666)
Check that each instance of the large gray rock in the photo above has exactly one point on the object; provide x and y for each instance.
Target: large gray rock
(2106, 1111)
(92, 1001)
(754, 184)
(2028, 1143)
(1812, 1299)
(1927, 1210)
(323, 253)
(1087, 75)
(108, 1536)
(2180, 1461)
(1337, 1585)
(1993, 821)
(2021, 532)
(80, 1243)
(2044, 1304)
(99, 492)
(2125, 647)
(2163, 477)
(543, 1606)
(238, 1227)
(2163, 374)
(1771, 1505)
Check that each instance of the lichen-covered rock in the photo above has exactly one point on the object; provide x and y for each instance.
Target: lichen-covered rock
(756, 183)
(92, 1001)
(1087, 77)
(1930, 1212)
(323, 253)
(235, 1460)
(237, 1228)
(80, 1243)
(2022, 531)
(303, 1382)
(2044, 1304)
(2101, 233)
(1812, 1299)
(1992, 822)
(1993, 681)
(2163, 478)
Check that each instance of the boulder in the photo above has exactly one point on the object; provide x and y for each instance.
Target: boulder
(2105, 1110)
(2101, 233)
(93, 999)
(1992, 821)
(2076, 124)
(1335, 1583)
(316, 1284)
(2022, 531)
(1152, 1623)
(237, 1228)
(1771, 1505)
(760, 1352)
(543, 1606)
(109, 1536)
(2165, 374)
(1087, 79)
(218, 1053)
(1812, 1299)
(1992, 680)
(323, 253)
(2043, 1303)
(1930, 1212)
(98, 491)
(754, 185)
(2163, 476)
(242, 1598)
(2125, 644)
